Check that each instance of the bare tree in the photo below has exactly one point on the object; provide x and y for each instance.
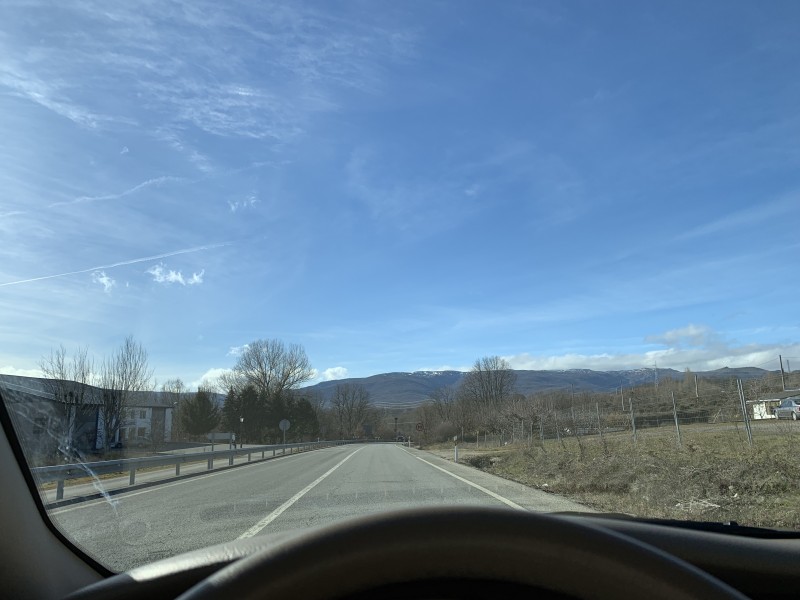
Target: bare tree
(445, 399)
(272, 367)
(488, 387)
(351, 406)
(121, 374)
(69, 382)
(230, 380)
(175, 393)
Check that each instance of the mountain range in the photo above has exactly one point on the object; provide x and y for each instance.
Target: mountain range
(406, 390)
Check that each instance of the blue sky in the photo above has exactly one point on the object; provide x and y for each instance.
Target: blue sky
(401, 186)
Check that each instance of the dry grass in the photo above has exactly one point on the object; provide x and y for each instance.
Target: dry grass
(714, 476)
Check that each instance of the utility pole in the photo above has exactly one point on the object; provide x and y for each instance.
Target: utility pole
(783, 375)
(744, 412)
(655, 373)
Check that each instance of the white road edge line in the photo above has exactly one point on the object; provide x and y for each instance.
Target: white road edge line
(122, 495)
(505, 501)
(283, 507)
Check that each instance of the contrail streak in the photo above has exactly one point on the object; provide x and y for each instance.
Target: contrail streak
(118, 264)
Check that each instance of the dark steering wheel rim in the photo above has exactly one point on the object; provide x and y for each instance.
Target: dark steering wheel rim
(538, 550)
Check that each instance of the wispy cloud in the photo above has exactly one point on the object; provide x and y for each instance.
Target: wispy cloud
(747, 217)
(104, 280)
(691, 335)
(124, 150)
(119, 264)
(50, 96)
(247, 202)
(156, 181)
(167, 276)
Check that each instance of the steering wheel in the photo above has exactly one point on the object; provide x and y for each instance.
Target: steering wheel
(461, 553)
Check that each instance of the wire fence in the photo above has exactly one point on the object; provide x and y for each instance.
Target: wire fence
(636, 417)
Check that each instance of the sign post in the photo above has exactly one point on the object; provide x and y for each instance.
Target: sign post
(283, 426)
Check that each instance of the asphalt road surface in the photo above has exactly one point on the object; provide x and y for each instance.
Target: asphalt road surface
(288, 493)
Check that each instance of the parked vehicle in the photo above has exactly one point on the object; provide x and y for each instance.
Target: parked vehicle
(788, 409)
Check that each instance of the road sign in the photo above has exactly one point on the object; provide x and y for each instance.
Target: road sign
(419, 427)
(284, 424)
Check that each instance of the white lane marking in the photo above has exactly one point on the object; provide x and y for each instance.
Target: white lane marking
(283, 507)
(505, 501)
(157, 487)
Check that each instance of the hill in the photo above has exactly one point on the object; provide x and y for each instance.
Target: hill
(406, 390)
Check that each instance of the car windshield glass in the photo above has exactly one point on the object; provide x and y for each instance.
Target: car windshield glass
(270, 266)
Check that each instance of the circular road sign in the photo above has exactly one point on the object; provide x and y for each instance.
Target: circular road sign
(284, 424)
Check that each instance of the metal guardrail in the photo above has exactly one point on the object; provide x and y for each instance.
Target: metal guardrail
(61, 473)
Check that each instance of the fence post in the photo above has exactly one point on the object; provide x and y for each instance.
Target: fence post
(675, 414)
(744, 412)
(633, 418)
(599, 426)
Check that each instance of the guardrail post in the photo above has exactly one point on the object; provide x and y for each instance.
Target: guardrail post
(133, 475)
(210, 463)
(262, 454)
(230, 460)
(248, 457)
(177, 469)
(273, 452)
(60, 490)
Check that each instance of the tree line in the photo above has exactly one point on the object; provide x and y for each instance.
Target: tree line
(487, 401)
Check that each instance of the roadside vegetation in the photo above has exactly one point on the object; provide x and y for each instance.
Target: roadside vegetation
(670, 449)
(713, 477)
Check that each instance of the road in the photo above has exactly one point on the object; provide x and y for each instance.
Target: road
(287, 493)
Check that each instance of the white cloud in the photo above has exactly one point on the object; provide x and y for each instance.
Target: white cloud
(9, 370)
(196, 278)
(697, 347)
(237, 350)
(333, 373)
(210, 376)
(104, 280)
(124, 150)
(167, 276)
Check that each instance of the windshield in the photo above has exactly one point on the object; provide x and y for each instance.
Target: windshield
(267, 266)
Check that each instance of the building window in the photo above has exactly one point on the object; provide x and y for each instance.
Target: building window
(142, 414)
(141, 432)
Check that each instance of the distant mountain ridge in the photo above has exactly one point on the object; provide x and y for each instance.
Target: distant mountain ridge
(400, 390)
(406, 390)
